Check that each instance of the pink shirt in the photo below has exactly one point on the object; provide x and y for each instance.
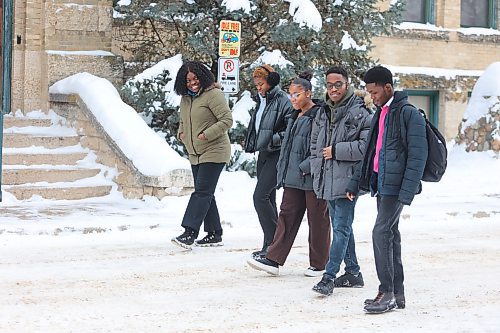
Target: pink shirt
(381, 128)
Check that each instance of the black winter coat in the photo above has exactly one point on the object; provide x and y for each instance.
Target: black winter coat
(272, 125)
(400, 168)
(294, 167)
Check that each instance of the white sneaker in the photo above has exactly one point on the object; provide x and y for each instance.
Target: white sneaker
(313, 272)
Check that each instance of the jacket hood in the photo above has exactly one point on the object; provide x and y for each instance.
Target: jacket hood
(343, 101)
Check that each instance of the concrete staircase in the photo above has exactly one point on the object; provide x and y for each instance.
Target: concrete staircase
(43, 157)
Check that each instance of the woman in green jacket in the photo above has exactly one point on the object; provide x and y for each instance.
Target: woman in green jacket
(205, 119)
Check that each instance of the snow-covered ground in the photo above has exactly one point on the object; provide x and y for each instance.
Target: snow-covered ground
(107, 265)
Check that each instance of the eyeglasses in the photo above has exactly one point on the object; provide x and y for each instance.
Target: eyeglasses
(337, 85)
(296, 95)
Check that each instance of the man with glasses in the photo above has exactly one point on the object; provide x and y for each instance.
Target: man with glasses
(338, 140)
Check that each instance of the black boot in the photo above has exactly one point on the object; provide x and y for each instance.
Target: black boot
(400, 300)
(211, 239)
(186, 239)
(382, 303)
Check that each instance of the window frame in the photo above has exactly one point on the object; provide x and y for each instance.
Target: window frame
(433, 112)
(429, 14)
(492, 18)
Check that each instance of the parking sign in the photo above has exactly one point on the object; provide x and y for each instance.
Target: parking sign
(229, 75)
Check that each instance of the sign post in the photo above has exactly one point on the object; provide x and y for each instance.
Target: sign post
(229, 52)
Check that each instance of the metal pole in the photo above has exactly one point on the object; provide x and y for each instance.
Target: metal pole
(8, 14)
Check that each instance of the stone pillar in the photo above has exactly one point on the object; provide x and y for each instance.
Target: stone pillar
(46, 32)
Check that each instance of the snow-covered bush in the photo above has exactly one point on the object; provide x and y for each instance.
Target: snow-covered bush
(149, 97)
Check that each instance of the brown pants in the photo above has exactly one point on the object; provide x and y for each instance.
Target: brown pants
(292, 209)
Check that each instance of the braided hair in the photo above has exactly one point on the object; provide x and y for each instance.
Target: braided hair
(201, 71)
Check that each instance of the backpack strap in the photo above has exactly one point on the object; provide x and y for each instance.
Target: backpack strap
(403, 128)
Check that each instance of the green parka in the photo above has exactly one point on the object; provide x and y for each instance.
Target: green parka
(206, 113)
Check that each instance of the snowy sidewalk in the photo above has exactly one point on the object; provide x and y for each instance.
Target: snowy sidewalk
(125, 275)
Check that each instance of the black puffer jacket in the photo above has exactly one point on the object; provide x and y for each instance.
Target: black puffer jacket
(272, 125)
(294, 167)
(400, 168)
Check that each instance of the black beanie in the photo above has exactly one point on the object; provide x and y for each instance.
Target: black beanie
(378, 75)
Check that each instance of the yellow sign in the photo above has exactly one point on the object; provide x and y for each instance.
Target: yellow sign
(229, 39)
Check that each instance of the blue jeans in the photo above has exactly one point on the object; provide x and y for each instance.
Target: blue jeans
(343, 247)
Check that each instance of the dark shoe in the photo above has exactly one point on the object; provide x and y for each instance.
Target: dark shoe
(349, 281)
(186, 239)
(385, 303)
(260, 254)
(325, 286)
(264, 264)
(211, 239)
(400, 300)
(376, 299)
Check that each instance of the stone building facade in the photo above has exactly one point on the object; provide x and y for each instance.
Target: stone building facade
(438, 56)
(57, 38)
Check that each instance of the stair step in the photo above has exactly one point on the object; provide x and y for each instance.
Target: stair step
(22, 140)
(39, 159)
(59, 193)
(9, 122)
(34, 175)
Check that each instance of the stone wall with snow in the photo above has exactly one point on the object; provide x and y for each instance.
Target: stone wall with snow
(480, 128)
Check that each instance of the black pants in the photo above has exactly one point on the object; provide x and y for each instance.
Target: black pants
(264, 196)
(202, 205)
(387, 244)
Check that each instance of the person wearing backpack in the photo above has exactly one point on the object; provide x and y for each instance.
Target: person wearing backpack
(392, 169)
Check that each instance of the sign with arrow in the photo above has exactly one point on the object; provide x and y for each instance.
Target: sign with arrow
(229, 75)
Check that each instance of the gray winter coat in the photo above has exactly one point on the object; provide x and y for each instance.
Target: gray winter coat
(294, 167)
(272, 125)
(347, 135)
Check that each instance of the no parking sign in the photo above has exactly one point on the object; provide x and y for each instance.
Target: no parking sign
(229, 75)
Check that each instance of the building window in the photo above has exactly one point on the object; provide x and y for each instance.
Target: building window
(478, 13)
(420, 11)
(428, 101)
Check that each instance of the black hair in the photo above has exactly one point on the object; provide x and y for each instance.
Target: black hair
(304, 80)
(378, 75)
(201, 71)
(338, 70)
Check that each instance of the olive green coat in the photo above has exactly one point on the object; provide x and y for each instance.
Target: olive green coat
(206, 113)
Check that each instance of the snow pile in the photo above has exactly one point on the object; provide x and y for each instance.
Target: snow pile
(171, 65)
(481, 125)
(348, 42)
(241, 108)
(305, 13)
(234, 5)
(272, 58)
(150, 154)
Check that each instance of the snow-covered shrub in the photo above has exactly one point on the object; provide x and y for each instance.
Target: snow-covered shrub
(149, 98)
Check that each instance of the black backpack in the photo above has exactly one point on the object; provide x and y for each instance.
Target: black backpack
(437, 152)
